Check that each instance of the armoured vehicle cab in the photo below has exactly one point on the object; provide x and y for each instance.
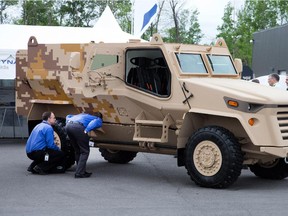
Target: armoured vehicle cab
(176, 99)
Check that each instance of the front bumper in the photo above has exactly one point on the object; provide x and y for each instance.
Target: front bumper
(280, 151)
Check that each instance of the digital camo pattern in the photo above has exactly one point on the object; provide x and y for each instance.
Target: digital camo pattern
(46, 75)
(24, 92)
(61, 74)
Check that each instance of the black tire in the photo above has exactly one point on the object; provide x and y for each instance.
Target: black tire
(276, 170)
(62, 140)
(219, 160)
(120, 157)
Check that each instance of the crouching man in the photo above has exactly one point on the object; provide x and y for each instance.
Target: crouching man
(40, 147)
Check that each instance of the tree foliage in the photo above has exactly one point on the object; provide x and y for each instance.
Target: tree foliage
(77, 13)
(38, 13)
(254, 16)
(186, 28)
(174, 21)
(227, 29)
(4, 4)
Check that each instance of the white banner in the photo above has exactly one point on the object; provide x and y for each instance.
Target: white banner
(7, 64)
(145, 12)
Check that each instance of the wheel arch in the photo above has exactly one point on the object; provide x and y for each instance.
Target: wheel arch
(60, 110)
(193, 121)
(37, 109)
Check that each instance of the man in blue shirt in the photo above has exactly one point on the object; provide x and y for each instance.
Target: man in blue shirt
(77, 128)
(40, 147)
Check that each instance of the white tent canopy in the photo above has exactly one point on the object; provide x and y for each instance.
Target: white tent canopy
(15, 37)
(106, 30)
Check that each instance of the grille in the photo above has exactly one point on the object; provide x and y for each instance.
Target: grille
(283, 122)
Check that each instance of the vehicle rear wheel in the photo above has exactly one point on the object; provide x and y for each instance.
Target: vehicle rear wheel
(117, 156)
(62, 141)
(277, 169)
(213, 157)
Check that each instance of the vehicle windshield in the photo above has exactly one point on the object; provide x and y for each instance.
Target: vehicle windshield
(221, 64)
(191, 63)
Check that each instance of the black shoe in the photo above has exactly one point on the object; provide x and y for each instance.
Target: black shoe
(30, 169)
(85, 175)
(39, 171)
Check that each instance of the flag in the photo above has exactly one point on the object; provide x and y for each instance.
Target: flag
(145, 12)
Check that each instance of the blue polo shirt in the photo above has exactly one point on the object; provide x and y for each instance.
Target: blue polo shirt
(89, 122)
(41, 137)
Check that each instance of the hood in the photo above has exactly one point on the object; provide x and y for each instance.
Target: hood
(238, 89)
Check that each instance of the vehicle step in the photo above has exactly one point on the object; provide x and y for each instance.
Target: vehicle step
(148, 122)
(146, 139)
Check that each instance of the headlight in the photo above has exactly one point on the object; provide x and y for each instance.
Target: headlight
(243, 105)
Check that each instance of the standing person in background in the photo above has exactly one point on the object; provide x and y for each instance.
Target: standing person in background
(273, 80)
(77, 128)
(40, 147)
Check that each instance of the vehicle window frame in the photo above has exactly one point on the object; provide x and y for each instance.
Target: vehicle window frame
(192, 73)
(109, 65)
(221, 74)
(167, 70)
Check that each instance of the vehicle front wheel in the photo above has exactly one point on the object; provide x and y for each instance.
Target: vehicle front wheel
(277, 169)
(213, 157)
(117, 156)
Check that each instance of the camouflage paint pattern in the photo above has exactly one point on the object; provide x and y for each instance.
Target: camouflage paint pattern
(61, 74)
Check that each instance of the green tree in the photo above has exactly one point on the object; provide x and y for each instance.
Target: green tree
(193, 34)
(38, 13)
(282, 11)
(186, 27)
(77, 13)
(4, 4)
(227, 29)
(174, 32)
(254, 16)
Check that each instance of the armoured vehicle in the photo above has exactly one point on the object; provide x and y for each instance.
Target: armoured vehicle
(175, 99)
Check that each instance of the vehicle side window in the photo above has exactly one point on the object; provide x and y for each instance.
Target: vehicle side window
(148, 71)
(101, 60)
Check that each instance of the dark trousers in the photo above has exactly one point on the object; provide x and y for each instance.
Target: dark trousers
(80, 143)
(56, 158)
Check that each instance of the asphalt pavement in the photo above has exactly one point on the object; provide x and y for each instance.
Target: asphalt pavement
(149, 185)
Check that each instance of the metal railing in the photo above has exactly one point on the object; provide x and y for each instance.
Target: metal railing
(12, 125)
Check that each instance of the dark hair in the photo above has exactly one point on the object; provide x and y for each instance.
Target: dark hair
(98, 114)
(46, 115)
(255, 81)
(275, 76)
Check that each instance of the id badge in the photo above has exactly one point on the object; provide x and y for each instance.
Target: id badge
(46, 158)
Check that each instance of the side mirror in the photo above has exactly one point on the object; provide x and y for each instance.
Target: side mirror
(238, 65)
(74, 62)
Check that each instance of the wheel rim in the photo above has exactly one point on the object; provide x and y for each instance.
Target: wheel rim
(57, 140)
(207, 158)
